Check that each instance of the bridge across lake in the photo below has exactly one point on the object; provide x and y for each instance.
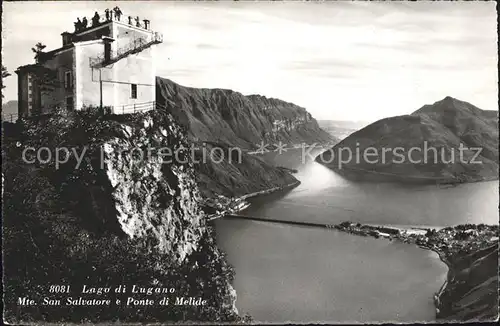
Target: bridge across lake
(270, 220)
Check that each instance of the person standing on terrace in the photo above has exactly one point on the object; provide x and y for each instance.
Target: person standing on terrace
(95, 19)
(118, 13)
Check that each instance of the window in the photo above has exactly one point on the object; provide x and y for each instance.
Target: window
(133, 90)
(69, 103)
(68, 80)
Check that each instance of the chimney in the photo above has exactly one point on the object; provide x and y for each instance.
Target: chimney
(66, 38)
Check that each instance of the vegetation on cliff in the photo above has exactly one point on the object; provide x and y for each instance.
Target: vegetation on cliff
(104, 225)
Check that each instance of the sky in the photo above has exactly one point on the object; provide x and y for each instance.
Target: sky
(358, 61)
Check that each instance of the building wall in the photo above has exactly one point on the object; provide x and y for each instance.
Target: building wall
(94, 34)
(87, 78)
(22, 94)
(34, 99)
(28, 94)
(57, 95)
(135, 69)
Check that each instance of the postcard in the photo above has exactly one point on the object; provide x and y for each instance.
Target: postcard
(249, 162)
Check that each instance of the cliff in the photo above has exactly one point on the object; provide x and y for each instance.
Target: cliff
(102, 206)
(151, 196)
(424, 146)
(472, 289)
(220, 122)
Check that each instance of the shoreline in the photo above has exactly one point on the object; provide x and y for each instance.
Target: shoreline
(241, 203)
(270, 190)
(437, 295)
(352, 172)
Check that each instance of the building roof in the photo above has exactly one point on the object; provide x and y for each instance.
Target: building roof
(30, 67)
(64, 47)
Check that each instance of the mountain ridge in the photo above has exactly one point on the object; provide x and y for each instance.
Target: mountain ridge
(222, 115)
(445, 126)
(221, 119)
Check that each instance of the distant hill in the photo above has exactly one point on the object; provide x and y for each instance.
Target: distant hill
(341, 129)
(444, 126)
(9, 108)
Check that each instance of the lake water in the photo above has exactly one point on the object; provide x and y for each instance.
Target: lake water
(300, 274)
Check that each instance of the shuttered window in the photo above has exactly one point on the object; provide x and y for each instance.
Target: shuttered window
(68, 80)
(133, 90)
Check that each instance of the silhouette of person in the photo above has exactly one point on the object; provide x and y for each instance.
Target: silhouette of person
(108, 14)
(84, 22)
(95, 19)
(130, 20)
(118, 12)
(78, 24)
(137, 22)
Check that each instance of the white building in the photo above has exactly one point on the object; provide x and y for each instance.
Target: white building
(110, 63)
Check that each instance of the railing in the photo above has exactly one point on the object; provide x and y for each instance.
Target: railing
(10, 117)
(133, 108)
(118, 109)
(137, 45)
(13, 117)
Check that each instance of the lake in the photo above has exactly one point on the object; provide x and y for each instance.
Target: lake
(300, 274)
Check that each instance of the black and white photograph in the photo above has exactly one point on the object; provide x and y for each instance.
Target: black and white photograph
(250, 162)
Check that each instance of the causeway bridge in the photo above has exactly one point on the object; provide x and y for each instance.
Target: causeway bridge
(271, 220)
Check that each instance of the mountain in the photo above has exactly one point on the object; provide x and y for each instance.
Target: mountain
(223, 121)
(341, 129)
(424, 146)
(226, 116)
(8, 109)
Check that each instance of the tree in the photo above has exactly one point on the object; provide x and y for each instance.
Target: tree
(5, 74)
(38, 50)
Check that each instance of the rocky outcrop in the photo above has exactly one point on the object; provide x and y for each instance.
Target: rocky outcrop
(424, 146)
(111, 209)
(152, 196)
